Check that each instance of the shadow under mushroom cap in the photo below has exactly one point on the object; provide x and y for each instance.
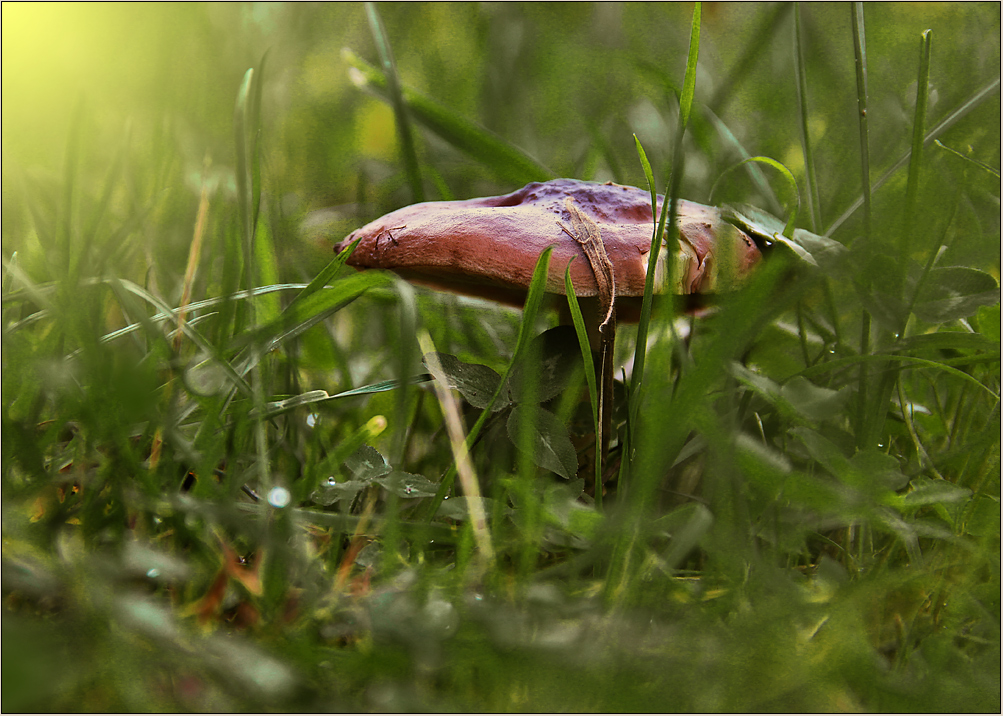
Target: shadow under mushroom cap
(488, 247)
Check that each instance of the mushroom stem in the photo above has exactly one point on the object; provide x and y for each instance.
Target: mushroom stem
(588, 235)
(602, 343)
(606, 394)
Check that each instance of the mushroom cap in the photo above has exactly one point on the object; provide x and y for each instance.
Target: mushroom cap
(488, 247)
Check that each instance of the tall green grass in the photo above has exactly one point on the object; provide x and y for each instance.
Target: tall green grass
(227, 483)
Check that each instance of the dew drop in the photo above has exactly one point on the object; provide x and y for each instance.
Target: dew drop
(279, 497)
(407, 489)
(153, 573)
(311, 419)
(331, 481)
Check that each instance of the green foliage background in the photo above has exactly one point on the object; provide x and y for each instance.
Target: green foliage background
(824, 536)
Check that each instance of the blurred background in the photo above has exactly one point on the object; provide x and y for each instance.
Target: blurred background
(154, 85)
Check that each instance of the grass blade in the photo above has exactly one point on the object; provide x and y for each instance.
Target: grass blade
(918, 129)
(506, 160)
(255, 137)
(307, 313)
(981, 165)
(241, 120)
(689, 84)
(755, 173)
(383, 386)
(668, 205)
(407, 311)
(641, 343)
(792, 184)
(461, 453)
(860, 65)
(411, 166)
(646, 166)
(590, 371)
(245, 120)
(198, 306)
(194, 252)
(801, 71)
(326, 274)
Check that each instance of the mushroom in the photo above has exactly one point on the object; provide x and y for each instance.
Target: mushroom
(488, 248)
